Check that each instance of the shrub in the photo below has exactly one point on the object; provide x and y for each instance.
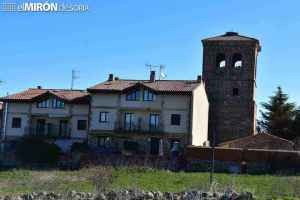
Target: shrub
(37, 150)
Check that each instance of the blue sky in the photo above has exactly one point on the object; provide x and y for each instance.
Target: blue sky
(121, 36)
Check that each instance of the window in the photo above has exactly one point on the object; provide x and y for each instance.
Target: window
(16, 122)
(220, 60)
(149, 95)
(237, 60)
(103, 117)
(81, 125)
(235, 92)
(175, 119)
(43, 104)
(133, 96)
(128, 121)
(154, 121)
(57, 103)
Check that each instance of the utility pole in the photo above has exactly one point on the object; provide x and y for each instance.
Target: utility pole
(212, 170)
(74, 77)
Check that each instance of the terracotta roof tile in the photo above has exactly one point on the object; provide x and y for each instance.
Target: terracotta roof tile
(260, 141)
(30, 94)
(158, 85)
(231, 36)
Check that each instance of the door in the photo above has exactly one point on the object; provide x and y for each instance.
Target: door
(154, 150)
(40, 126)
(128, 121)
(154, 122)
(63, 128)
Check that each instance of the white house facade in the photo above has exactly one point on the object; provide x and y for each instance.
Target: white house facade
(128, 116)
(46, 112)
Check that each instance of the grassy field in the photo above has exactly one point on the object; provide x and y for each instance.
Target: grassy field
(22, 181)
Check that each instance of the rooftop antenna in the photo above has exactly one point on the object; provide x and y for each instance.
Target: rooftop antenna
(74, 77)
(162, 74)
(161, 68)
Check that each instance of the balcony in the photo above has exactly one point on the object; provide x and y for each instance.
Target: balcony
(49, 131)
(138, 128)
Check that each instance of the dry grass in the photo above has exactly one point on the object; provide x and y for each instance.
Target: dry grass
(100, 179)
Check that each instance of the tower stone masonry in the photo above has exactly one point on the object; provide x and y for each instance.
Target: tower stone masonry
(229, 73)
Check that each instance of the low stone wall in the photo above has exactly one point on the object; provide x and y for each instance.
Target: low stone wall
(133, 195)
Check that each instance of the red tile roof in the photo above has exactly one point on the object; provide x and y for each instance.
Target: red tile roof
(260, 141)
(31, 94)
(231, 36)
(158, 85)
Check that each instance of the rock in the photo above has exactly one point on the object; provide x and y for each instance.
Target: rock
(158, 195)
(245, 196)
(168, 196)
(134, 194)
(7, 198)
(100, 196)
(111, 195)
(148, 195)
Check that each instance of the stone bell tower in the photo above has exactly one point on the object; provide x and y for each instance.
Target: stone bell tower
(229, 72)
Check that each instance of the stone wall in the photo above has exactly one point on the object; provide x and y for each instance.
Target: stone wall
(133, 195)
(231, 116)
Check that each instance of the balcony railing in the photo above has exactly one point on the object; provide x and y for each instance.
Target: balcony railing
(137, 128)
(52, 131)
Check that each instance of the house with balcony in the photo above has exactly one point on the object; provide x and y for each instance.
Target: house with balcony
(148, 116)
(53, 113)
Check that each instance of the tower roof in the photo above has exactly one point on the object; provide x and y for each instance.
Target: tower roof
(231, 36)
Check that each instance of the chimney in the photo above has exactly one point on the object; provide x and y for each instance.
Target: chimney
(117, 78)
(199, 78)
(110, 77)
(39, 87)
(152, 76)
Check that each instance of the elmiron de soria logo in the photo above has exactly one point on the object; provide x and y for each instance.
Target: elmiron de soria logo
(42, 7)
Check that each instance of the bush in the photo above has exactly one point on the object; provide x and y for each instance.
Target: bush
(80, 147)
(37, 150)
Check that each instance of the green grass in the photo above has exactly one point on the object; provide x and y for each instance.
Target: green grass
(15, 182)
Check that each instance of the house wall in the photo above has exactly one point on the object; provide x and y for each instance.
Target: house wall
(95, 116)
(104, 100)
(51, 111)
(153, 105)
(79, 112)
(164, 104)
(20, 110)
(25, 111)
(176, 104)
(75, 133)
(200, 109)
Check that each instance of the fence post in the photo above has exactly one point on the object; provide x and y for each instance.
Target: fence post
(212, 160)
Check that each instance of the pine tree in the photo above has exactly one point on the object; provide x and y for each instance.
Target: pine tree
(278, 115)
(296, 123)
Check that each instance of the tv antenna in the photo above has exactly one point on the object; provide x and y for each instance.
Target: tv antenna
(161, 68)
(74, 77)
